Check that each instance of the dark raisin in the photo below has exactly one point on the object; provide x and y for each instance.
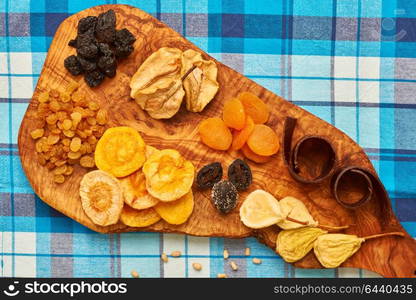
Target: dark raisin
(124, 37)
(73, 43)
(108, 65)
(209, 175)
(86, 24)
(72, 64)
(123, 50)
(87, 65)
(105, 30)
(94, 78)
(105, 49)
(239, 173)
(224, 196)
(86, 46)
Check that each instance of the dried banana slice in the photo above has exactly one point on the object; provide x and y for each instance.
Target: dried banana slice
(292, 245)
(120, 151)
(101, 197)
(138, 218)
(178, 211)
(201, 84)
(295, 209)
(169, 176)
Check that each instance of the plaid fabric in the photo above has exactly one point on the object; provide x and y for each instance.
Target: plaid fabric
(350, 62)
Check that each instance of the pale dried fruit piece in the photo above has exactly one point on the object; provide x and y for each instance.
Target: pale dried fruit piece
(254, 107)
(295, 209)
(233, 114)
(120, 151)
(37, 133)
(215, 134)
(150, 150)
(263, 140)
(260, 209)
(101, 197)
(138, 218)
(292, 245)
(135, 192)
(169, 176)
(176, 212)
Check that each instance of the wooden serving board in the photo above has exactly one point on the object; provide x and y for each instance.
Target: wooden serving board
(389, 256)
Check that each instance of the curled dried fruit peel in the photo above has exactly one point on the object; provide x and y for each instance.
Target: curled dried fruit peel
(169, 176)
(101, 197)
(138, 218)
(176, 212)
(215, 134)
(233, 114)
(120, 151)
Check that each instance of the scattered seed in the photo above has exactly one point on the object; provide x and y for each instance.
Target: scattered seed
(256, 261)
(197, 266)
(221, 275)
(175, 254)
(134, 274)
(247, 252)
(233, 266)
(164, 257)
(226, 254)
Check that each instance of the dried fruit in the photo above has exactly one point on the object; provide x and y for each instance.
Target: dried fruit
(138, 218)
(295, 209)
(94, 78)
(224, 196)
(135, 192)
(169, 176)
(87, 161)
(253, 156)
(260, 209)
(72, 64)
(240, 137)
(75, 144)
(101, 197)
(178, 211)
(102, 116)
(209, 175)
(263, 140)
(254, 107)
(120, 151)
(239, 173)
(233, 114)
(37, 133)
(215, 134)
(292, 245)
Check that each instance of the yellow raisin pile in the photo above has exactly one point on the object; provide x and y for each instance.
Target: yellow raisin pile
(68, 128)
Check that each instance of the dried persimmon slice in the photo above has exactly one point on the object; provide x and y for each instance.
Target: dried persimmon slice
(241, 137)
(215, 134)
(253, 156)
(233, 114)
(263, 140)
(254, 107)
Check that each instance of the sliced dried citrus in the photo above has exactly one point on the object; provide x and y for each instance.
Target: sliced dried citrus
(169, 176)
(101, 197)
(263, 140)
(215, 134)
(260, 209)
(254, 107)
(241, 137)
(176, 212)
(253, 156)
(120, 151)
(138, 218)
(233, 114)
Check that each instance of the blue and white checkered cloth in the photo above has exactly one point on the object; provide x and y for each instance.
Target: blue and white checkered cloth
(350, 62)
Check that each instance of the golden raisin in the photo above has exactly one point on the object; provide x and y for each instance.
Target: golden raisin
(51, 119)
(74, 155)
(59, 178)
(75, 144)
(43, 97)
(66, 124)
(53, 139)
(37, 133)
(87, 161)
(102, 116)
(59, 170)
(69, 133)
(93, 105)
(69, 170)
(54, 106)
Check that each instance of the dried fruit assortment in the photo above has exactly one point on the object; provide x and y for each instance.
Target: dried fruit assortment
(68, 128)
(98, 45)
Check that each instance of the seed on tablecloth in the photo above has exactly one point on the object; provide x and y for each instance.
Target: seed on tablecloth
(197, 266)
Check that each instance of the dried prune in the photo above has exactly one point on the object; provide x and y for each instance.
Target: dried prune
(86, 24)
(122, 50)
(72, 64)
(105, 30)
(209, 175)
(239, 173)
(87, 65)
(224, 196)
(125, 37)
(94, 78)
(107, 65)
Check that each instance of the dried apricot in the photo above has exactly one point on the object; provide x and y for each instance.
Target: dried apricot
(233, 114)
(176, 212)
(135, 192)
(138, 218)
(241, 137)
(253, 156)
(254, 107)
(263, 140)
(215, 134)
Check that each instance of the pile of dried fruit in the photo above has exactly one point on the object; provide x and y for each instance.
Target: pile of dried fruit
(98, 46)
(153, 184)
(67, 129)
(169, 75)
(242, 128)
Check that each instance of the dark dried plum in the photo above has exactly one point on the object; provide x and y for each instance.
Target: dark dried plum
(72, 64)
(209, 175)
(94, 78)
(224, 196)
(239, 173)
(124, 37)
(105, 30)
(86, 24)
(123, 50)
(87, 65)
(108, 65)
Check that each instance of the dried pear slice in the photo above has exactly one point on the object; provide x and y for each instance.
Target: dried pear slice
(178, 211)
(138, 218)
(292, 245)
(295, 209)
(169, 176)
(120, 151)
(101, 197)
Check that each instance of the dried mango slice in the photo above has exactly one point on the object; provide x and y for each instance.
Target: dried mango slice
(263, 140)
(120, 151)
(138, 218)
(233, 114)
(215, 134)
(169, 176)
(101, 197)
(254, 107)
(178, 211)
(295, 209)
(253, 156)
(241, 137)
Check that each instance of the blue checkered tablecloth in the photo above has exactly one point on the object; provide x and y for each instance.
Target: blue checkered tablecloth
(350, 62)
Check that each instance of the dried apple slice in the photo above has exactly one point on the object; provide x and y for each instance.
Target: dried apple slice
(138, 218)
(178, 211)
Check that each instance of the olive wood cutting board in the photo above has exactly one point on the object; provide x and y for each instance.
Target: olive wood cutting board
(388, 256)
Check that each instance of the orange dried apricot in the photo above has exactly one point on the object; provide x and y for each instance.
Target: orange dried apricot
(253, 156)
(241, 137)
(263, 140)
(215, 134)
(254, 107)
(233, 114)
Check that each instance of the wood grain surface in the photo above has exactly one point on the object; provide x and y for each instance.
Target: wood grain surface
(389, 256)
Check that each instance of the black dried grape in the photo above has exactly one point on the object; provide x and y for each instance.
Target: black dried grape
(124, 37)
(105, 49)
(87, 23)
(87, 65)
(239, 173)
(108, 65)
(86, 46)
(72, 64)
(105, 30)
(123, 50)
(209, 175)
(224, 196)
(94, 78)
